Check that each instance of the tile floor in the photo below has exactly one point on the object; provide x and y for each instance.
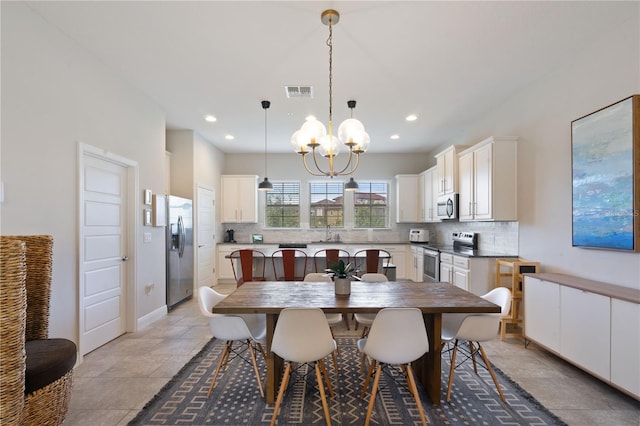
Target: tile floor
(115, 381)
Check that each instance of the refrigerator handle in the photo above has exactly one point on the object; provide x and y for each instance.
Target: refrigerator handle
(181, 236)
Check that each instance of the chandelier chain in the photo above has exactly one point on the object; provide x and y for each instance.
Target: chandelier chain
(330, 44)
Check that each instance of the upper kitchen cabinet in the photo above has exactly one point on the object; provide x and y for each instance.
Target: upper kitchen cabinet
(428, 195)
(447, 170)
(239, 198)
(488, 180)
(407, 208)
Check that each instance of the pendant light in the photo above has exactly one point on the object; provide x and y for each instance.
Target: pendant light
(313, 138)
(265, 185)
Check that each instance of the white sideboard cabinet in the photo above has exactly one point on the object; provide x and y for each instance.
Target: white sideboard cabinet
(593, 325)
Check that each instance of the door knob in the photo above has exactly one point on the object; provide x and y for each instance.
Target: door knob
(125, 258)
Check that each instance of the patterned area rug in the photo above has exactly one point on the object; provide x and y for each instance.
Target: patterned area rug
(236, 399)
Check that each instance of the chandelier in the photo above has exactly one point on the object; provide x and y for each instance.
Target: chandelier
(313, 138)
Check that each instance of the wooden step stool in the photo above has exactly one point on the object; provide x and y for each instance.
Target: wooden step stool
(509, 274)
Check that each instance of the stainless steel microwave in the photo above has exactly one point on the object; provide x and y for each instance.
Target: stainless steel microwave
(447, 207)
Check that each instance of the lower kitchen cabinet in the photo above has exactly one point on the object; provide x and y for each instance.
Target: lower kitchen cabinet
(476, 275)
(593, 325)
(398, 258)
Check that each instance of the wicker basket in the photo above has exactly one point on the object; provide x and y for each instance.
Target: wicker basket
(25, 292)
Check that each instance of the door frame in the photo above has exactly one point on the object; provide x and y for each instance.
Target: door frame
(196, 225)
(132, 183)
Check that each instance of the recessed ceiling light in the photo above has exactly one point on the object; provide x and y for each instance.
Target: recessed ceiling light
(229, 137)
(395, 136)
(210, 118)
(411, 117)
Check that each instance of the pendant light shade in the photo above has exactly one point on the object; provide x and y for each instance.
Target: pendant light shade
(265, 185)
(352, 185)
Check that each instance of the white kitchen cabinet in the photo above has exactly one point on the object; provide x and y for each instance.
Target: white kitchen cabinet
(398, 258)
(427, 195)
(542, 312)
(407, 208)
(473, 274)
(224, 269)
(446, 268)
(239, 199)
(625, 345)
(447, 170)
(585, 324)
(593, 325)
(488, 180)
(417, 268)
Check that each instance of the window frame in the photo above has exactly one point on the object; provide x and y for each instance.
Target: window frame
(327, 192)
(371, 205)
(267, 205)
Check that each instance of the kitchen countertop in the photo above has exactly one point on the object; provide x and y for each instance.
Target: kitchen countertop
(458, 251)
(467, 252)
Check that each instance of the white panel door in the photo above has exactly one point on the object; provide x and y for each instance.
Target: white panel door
(206, 238)
(103, 252)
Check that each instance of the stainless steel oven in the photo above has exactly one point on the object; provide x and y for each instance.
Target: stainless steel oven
(431, 265)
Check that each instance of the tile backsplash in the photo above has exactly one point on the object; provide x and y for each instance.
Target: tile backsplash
(501, 237)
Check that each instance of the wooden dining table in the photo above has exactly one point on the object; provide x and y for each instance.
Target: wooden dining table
(433, 299)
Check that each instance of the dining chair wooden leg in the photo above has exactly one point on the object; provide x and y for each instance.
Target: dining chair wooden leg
(335, 360)
(473, 357)
(493, 375)
(367, 420)
(261, 349)
(325, 405)
(255, 367)
(452, 369)
(368, 378)
(414, 391)
(364, 331)
(283, 386)
(326, 377)
(223, 356)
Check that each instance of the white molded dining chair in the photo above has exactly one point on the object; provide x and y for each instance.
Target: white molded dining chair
(302, 335)
(332, 319)
(367, 319)
(475, 328)
(248, 329)
(398, 336)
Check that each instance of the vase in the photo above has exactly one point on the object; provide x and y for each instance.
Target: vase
(343, 286)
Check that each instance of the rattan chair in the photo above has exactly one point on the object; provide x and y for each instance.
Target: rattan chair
(35, 372)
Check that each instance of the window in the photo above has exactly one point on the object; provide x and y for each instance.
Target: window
(283, 205)
(327, 204)
(370, 205)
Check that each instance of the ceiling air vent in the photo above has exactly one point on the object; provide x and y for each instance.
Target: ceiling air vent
(299, 91)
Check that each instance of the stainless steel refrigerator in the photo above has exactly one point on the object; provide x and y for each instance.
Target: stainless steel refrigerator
(179, 250)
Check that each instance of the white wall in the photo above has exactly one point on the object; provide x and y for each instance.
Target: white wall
(599, 72)
(55, 95)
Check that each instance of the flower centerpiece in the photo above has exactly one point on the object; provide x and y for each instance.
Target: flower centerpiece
(342, 274)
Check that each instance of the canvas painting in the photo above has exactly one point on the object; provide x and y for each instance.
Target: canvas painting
(603, 178)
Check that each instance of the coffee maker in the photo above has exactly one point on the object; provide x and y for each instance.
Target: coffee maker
(229, 237)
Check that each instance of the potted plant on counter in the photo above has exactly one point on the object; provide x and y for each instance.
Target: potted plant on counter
(342, 274)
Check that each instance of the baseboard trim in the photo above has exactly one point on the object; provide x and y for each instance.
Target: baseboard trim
(152, 317)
